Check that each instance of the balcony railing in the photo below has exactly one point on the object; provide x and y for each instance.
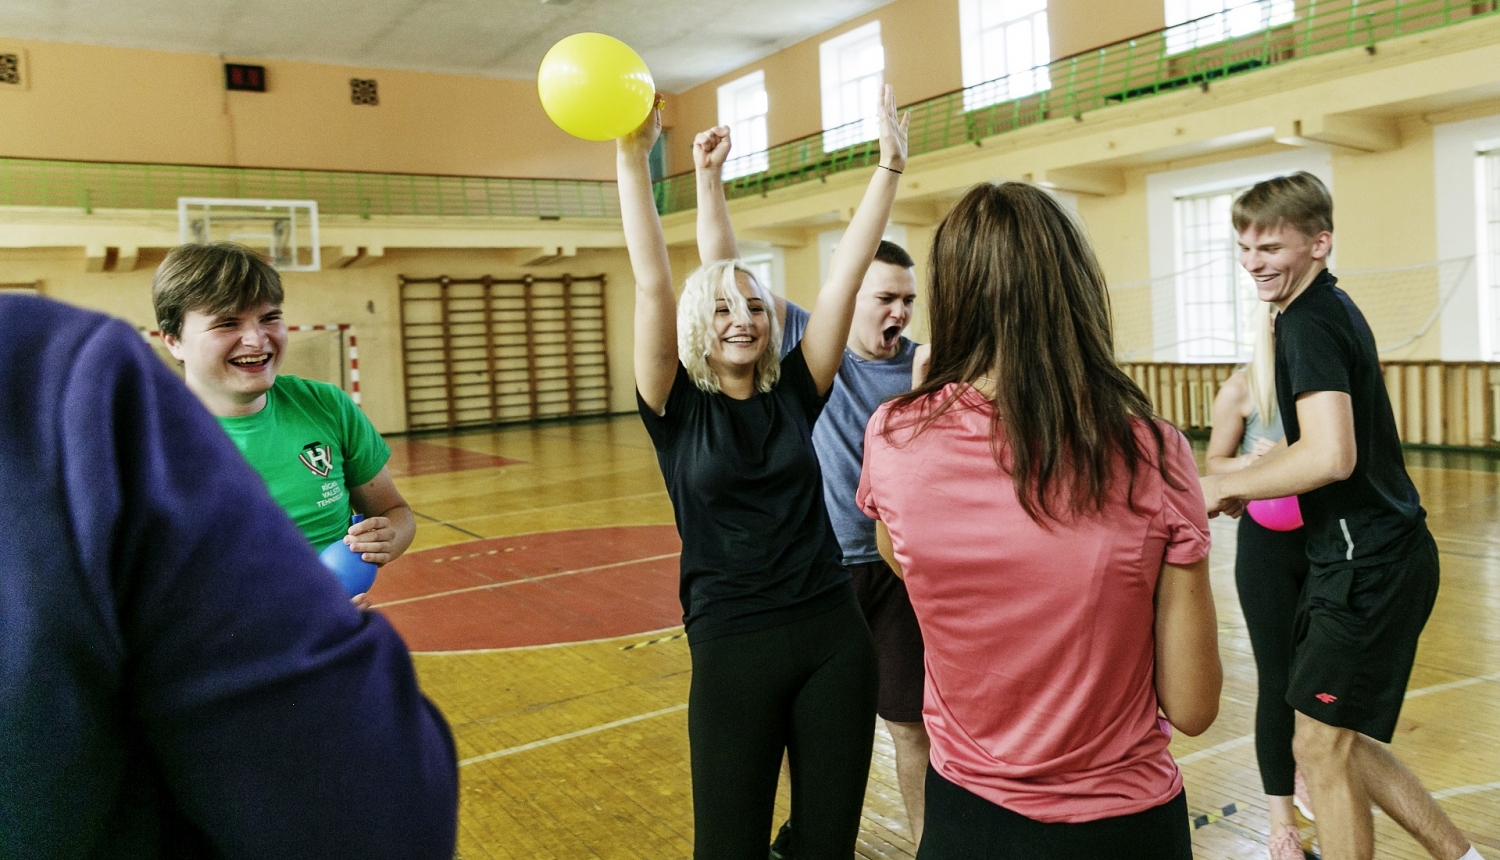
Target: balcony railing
(91, 185)
(1114, 74)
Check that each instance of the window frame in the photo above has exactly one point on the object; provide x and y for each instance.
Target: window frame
(840, 129)
(982, 89)
(1242, 291)
(747, 158)
(1189, 28)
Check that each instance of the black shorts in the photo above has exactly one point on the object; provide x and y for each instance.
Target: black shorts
(1356, 637)
(964, 826)
(898, 640)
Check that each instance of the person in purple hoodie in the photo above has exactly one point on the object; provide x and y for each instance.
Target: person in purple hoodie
(179, 676)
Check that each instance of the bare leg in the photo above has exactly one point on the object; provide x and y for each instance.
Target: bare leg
(1345, 829)
(1283, 813)
(1397, 791)
(912, 752)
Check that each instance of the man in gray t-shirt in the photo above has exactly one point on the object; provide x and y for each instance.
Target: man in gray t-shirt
(877, 366)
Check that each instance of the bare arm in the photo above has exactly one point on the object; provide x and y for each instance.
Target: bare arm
(1189, 676)
(828, 327)
(887, 549)
(921, 362)
(389, 525)
(1229, 427)
(655, 305)
(1324, 454)
(715, 232)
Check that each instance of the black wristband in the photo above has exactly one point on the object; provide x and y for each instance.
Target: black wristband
(891, 169)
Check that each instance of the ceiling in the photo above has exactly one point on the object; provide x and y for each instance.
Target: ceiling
(685, 42)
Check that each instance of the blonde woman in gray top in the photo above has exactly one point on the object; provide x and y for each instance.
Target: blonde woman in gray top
(1269, 570)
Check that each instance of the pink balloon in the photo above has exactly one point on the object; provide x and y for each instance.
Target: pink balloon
(1278, 515)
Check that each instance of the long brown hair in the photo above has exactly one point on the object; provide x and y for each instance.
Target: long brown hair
(1015, 288)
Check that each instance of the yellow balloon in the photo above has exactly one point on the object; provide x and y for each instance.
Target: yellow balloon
(595, 87)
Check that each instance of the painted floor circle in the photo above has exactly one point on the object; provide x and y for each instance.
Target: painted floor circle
(536, 589)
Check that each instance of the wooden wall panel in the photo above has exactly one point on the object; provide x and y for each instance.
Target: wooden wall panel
(492, 350)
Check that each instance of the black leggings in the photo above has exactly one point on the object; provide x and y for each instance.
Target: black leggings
(1269, 570)
(962, 825)
(807, 687)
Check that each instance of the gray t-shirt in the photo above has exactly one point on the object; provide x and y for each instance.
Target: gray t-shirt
(839, 435)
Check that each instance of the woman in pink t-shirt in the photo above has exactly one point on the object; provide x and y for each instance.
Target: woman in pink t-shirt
(1052, 537)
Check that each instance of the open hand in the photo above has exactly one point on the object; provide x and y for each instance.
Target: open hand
(711, 148)
(892, 131)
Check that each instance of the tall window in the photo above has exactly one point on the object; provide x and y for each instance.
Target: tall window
(1005, 46)
(1216, 296)
(853, 70)
(1195, 23)
(763, 266)
(1488, 188)
(743, 107)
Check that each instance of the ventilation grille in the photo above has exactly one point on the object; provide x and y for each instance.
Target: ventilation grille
(362, 91)
(10, 69)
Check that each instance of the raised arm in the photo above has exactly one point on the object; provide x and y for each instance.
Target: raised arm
(828, 328)
(655, 305)
(715, 232)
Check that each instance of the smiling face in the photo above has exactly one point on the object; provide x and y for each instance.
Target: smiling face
(230, 360)
(739, 341)
(1283, 260)
(882, 311)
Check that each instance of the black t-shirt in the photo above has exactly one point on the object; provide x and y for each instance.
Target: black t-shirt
(1324, 344)
(757, 546)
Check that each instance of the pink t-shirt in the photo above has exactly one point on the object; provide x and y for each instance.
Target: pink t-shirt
(1040, 643)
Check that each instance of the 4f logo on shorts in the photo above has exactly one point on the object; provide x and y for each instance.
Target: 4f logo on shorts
(1326, 698)
(318, 458)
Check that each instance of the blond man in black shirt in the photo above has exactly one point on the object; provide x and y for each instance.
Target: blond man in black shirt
(1373, 564)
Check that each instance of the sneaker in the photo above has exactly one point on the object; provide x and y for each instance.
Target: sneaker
(781, 846)
(1300, 797)
(1286, 844)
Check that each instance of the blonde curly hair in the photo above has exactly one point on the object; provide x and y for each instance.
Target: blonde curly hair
(695, 323)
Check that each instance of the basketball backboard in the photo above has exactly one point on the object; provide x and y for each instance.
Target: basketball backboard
(285, 231)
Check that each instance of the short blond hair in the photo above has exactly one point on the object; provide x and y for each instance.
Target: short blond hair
(695, 323)
(1301, 200)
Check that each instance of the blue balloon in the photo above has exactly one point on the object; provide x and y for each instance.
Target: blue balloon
(352, 571)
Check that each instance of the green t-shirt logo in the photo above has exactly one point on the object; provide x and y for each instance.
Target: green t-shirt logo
(318, 458)
(348, 453)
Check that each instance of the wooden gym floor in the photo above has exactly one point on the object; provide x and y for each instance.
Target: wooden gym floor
(540, 598)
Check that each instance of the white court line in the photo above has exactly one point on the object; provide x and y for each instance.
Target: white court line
(570, 735)
(647, 633)
(1243, 740)
(524, 580)
(1214, 750)
(1452, 685)
(1465, 789)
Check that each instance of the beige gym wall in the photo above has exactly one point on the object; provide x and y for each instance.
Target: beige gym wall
(91, 103)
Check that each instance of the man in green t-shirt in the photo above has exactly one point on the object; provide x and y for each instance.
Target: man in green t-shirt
(219, 309)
